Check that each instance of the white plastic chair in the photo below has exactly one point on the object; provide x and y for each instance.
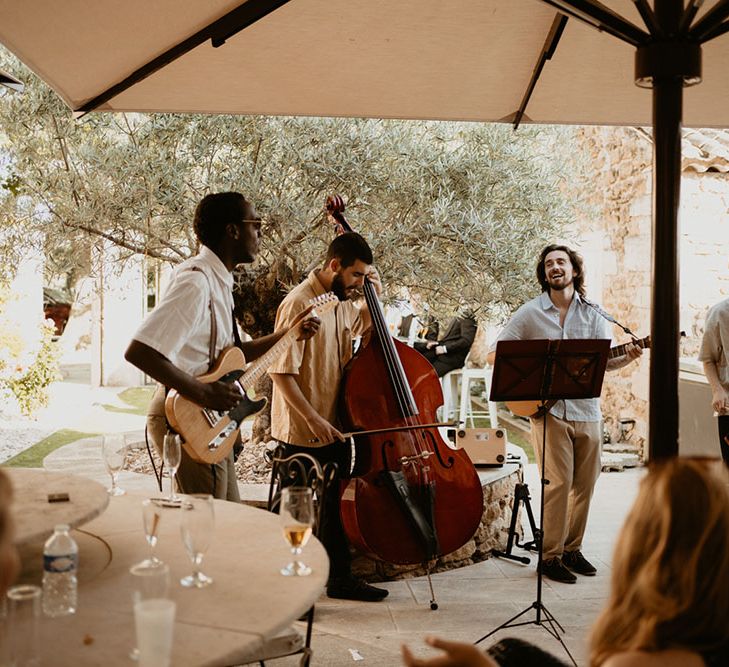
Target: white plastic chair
(449, 384)
(466, 411)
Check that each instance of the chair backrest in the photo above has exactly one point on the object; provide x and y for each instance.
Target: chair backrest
(300, 470)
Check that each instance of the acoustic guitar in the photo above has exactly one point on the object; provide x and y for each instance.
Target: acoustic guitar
(209, 435)
(533, 408)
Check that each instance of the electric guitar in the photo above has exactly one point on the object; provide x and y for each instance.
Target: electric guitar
(209, 435)
(534, 408)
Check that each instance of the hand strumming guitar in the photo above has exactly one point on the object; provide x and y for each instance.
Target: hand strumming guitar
(220, 396)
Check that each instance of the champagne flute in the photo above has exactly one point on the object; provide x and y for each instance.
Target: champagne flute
(297, 518)
(114, 450)
(172, 454)
(196, 527)
(151, 515)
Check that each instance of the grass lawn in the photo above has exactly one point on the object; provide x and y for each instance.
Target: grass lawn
(137, 398)
(33, 456)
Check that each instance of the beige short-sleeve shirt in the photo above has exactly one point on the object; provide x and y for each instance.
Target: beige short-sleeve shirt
(715, 341)
(317, 363)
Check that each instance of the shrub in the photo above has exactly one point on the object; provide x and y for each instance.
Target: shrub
(27, 377)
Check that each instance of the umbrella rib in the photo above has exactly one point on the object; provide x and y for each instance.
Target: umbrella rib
(218, 31)
(710, 21)
(550, 45)
(603, 18)
(688, 15)
(11, 82)
(649, 17)
(717, 31)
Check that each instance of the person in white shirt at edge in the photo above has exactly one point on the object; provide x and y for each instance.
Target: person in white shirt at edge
(173, 344)
(713, 353)
(573, 439)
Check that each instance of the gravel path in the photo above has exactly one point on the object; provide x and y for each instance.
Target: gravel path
(251, 466)
(16, 436)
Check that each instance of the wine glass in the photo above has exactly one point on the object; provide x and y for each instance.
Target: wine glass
(114, 451)
(172, 453)
(297, 518)
(151, 515)
(196, 527)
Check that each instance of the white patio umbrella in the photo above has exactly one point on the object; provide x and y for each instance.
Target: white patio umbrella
(478, 60)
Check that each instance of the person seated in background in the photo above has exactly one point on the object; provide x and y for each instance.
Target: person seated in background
(450, 351)
(9, 561)
(669, 596)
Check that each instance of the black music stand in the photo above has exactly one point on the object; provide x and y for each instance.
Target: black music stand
(546, 370)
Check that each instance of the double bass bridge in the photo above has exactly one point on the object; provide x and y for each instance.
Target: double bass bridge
(411, 460)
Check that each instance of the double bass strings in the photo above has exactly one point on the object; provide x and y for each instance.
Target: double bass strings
(401, 388)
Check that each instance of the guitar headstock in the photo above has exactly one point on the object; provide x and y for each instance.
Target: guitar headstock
(323, 303)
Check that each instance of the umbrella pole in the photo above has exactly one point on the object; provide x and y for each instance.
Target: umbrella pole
(666, 64)
(663, 402)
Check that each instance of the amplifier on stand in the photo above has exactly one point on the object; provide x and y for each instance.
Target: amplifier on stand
(485, 446)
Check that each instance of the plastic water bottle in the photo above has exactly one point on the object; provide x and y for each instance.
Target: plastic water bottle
(60, 562)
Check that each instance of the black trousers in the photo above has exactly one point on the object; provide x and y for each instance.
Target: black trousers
(331, 532)
(724, 433)
(443, 363)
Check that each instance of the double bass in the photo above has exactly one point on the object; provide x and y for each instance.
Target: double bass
(411, 497)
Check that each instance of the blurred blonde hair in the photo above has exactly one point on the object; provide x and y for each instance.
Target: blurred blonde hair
(670, 579)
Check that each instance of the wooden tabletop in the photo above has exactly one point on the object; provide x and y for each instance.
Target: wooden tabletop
(35, 517)
(222, 624)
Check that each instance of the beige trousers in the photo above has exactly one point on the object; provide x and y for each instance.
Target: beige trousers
(572, 468)
(192, 477)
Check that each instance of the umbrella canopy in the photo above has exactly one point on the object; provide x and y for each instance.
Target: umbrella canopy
(462, 60)
(478, 60)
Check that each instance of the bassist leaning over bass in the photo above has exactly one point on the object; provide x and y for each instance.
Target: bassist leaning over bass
(182, 337)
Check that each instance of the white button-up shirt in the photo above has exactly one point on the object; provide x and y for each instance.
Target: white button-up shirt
(179, 327)
(539, 319)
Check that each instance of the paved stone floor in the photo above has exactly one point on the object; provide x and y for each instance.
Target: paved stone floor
(472, 600)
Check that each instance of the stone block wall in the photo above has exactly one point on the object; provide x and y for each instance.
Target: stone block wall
(491, 534)
(617, 224)
(617, 220)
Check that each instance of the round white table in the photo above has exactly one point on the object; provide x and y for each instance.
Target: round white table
(222, 624)
(35, 517)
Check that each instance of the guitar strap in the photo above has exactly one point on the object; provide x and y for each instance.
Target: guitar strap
(213, 322)
(608, 317)
(238, 446)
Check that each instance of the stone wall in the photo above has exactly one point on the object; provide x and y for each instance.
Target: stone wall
(704, 248)
(617, 227)
(491, 534)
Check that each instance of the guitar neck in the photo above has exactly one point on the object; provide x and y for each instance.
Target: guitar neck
(258, 367)
(620, 350)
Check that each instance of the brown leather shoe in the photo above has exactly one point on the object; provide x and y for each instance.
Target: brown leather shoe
(355, 589)
(576, 562)
(553, 569)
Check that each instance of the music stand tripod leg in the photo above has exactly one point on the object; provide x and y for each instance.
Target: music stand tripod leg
(532, 544)
(521, 494)
(544, 618)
